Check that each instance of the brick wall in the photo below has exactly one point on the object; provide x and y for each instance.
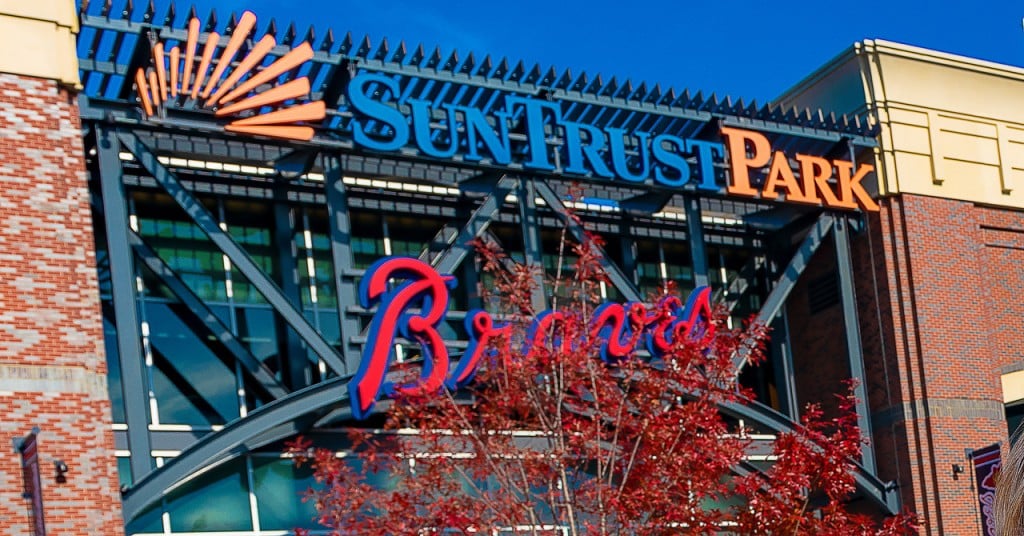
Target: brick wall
(52, 369)
(939, 312)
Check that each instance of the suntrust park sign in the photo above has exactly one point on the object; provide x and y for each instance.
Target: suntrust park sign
(665, 160)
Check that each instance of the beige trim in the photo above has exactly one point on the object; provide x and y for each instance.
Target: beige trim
(949, 126)
(1013, 387)
(38, 39)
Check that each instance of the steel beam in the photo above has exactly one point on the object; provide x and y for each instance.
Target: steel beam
(134, 380)
(295, 364)
(882, 493)
(477, 223)
(341, 255)
(262, 376)
(625, 285)
(695, 232)
(238, 256)
(851, 323)
(777, 297)
(533, 251)
(785, 378)
(730, 296)
(275, 421)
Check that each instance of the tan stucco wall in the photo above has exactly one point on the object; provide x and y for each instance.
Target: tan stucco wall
(950, 126)
(38, 39)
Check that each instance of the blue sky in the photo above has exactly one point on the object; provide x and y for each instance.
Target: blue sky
(744, 48)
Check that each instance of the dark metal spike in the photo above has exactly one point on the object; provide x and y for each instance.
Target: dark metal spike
(534, 75)
(595, 85)
(654, 94)
(517, 72)
(290, 34)
(581, 82)
(626, 90)
(563, 81)
(192, 13)
(549, 77)
(211, 21)
(129, 7)
(452, 62)
(328, 41)
(485, 66)
(669, 97)
(610, 87)
(310, 35)
(435, 59)
(417, 55)
(272, 29)
(107, 6)
(502, 69)
(364, 47)
(169, 16)
(147, 16)
(468, 64)
(400, 53)
(382, 50)
(232, 23)
(346, 44)
(84, 7)
(697, 100)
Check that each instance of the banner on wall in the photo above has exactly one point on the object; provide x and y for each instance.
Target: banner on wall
(987, 462)
(33, 490)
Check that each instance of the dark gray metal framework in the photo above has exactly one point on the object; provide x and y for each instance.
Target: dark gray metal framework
(113, 123)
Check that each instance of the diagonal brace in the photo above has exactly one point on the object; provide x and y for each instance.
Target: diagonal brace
(474, 227)
(238, 256)
(787, 281)
(619, 279)
(257, 370)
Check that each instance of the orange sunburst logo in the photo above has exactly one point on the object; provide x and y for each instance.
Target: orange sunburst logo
(174, 77)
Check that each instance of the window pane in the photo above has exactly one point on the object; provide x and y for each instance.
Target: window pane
(113, 371)
(256, 330)
(215, 500)
(192, 385)
(279, 487)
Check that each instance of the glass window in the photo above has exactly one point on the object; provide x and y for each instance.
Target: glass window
(217, 500)
(192, 385)
(149, 521)
(113, 371)
(367, 238)
(411, 235)
(181, 245)
(279, 487)
(257, 330)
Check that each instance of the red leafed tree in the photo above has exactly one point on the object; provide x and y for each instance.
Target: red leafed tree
(550, 438)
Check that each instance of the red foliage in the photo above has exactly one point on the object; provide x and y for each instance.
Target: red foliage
(550, 439)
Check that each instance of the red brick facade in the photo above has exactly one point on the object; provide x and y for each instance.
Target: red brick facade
(52, 369)
(937, 284)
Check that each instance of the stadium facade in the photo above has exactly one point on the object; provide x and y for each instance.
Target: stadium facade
(189, 203)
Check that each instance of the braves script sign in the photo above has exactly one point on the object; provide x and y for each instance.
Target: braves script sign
(412, 301)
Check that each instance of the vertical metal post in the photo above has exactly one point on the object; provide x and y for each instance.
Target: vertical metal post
(296, 366)
(628, 248)
(134, 381)
(468, 277)
(852, 328)
(532, 248)
(785, 383)
(341, 256)
(695, 231)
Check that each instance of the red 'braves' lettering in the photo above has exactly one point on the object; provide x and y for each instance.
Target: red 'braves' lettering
(417, 302)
